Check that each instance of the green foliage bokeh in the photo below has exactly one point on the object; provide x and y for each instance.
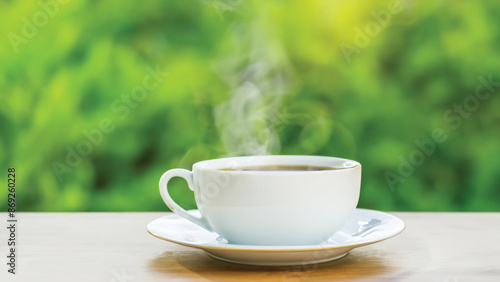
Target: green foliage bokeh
(372, 105)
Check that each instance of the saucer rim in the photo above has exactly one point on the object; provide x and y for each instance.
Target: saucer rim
(271, 248)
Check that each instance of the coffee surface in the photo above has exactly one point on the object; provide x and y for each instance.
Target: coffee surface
(280, 168)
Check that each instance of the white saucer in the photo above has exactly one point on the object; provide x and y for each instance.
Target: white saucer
(364, 227)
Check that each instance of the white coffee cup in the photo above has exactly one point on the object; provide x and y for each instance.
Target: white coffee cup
(298, 207)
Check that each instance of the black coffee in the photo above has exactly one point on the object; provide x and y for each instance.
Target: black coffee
(280, 168)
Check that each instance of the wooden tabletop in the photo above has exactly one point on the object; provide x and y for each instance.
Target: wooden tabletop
(445, 247)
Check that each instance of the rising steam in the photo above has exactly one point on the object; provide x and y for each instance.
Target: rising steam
(256, 69)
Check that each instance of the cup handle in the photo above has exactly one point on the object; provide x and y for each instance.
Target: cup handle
(178, 210)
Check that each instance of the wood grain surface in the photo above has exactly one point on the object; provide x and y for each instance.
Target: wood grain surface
(445, 247)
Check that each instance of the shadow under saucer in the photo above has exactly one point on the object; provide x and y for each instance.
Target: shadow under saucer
(359, 264)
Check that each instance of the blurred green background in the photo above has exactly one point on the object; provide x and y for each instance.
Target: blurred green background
(90, 120)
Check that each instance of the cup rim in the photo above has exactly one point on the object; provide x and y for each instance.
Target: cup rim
(231, 162)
